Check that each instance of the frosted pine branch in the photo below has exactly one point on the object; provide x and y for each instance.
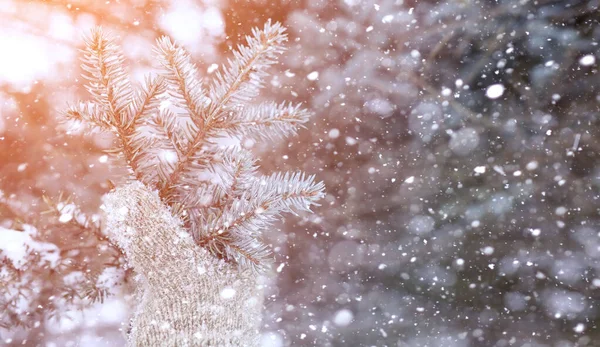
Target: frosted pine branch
(268, 120)
(116, 106)
(108, 84)
(90, 114)
(256, 210)
(181, 74)
(295, 192)
(147, 98)
(243, 78)
(233, 233)
(168, 128)
(240, 169)
(238, 84)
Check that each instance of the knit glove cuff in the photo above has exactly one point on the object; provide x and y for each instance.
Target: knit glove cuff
(189, 296)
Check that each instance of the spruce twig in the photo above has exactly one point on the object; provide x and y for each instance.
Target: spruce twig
(167, 130)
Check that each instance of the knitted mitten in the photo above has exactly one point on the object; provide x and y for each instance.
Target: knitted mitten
(189, 297)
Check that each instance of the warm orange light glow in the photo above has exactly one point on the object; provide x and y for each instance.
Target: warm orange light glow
(40, 37)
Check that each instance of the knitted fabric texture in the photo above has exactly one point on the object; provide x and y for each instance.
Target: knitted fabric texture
(188, 297)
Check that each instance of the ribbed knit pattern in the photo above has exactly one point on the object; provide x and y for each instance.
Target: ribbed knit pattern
(189, 297)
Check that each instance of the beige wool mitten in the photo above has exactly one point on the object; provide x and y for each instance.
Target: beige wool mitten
(188, 296)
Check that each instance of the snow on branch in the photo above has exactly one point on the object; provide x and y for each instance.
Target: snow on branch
(244, 76)
(146, 99)
(268, 120)
(108, 84)
(185, 86)
(168, 132)
(229, 230)
(234, 88)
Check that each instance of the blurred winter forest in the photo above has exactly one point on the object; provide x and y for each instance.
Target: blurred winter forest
(458, 141)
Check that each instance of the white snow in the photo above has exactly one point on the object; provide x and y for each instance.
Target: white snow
(271, 339)
(313, 76)
(587, 60)
(212, 68)
(380, 106)
(536, 232)
(65, 217)
(387, 19)
(488, 250)
(464, 141)
(168, 156)
(421, 225)
(16, 245)
(499, 169)
(494, 91)
(334, 133)
(343, 318)
(532, 165)
(227, 293)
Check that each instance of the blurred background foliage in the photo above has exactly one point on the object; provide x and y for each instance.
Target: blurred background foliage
(458, 141)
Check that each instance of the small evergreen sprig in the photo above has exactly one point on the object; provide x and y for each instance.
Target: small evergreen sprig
(46, 279)
(223, 201)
